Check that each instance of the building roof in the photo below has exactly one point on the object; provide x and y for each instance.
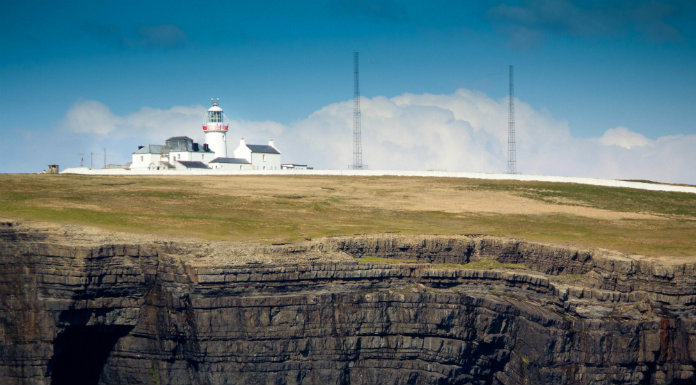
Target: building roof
(200, 149)
(230, 160)
(184, 144)
(177, 138)
(150, 149)
(193, 164)
(262, 148)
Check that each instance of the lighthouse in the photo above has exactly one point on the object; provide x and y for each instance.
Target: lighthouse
(215, 130)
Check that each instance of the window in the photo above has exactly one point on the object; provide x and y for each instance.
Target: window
(215, 116)
(142, 158)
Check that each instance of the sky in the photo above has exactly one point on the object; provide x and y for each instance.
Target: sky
(602, 88)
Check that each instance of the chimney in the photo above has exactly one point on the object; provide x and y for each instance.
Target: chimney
(242, 142)
(271, 143)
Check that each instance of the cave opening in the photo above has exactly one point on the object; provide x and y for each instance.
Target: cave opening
(80, 353)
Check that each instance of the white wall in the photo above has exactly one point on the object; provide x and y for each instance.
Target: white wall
(265, 161)
(202, 157)
(143, 161)
(242, 151)
(179, 155)
(216, 141)
(229, 166)
(191, 156)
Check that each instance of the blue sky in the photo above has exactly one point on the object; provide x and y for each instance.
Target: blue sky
(585, 66)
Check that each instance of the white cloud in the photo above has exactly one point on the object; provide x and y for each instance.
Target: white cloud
(623, 137)
(463, 131)
(93, 117)
(89, 116)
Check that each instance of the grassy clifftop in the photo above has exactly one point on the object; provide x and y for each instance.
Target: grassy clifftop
(289, 208)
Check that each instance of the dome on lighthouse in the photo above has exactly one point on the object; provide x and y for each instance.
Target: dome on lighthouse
(215, 108)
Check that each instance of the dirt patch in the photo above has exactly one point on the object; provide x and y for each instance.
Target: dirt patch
(410, 194)
(499, 203)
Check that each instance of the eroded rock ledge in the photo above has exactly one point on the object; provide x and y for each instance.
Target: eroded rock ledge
(81, 308)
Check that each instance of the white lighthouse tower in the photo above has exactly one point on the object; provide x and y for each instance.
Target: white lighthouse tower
(215, 130)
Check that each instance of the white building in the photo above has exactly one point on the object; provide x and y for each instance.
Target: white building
(181, 152)
(230, 164)
(215, 129)
(150, 157)
(261, 156)
(176, 150)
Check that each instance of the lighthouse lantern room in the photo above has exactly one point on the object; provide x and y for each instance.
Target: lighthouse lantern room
(215, 130)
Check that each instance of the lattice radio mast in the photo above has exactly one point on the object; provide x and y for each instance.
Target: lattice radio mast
(357, 140)
(512, 152)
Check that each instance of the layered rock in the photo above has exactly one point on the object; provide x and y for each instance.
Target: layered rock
(84, 309)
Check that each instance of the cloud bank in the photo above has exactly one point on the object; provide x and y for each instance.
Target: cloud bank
(462, 131)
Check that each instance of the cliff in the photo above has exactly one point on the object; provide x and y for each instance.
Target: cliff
(82, 308)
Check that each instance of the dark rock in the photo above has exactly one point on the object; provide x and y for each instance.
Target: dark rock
(96, 312)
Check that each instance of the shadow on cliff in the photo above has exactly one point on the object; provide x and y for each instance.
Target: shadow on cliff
(80, 353)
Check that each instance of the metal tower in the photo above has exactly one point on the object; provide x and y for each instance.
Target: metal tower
(512, 152)
(357, 140)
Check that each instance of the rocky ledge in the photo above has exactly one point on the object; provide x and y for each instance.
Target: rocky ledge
(80, 308)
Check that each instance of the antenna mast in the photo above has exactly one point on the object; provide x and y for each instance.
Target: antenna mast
(357, 140)
(512, 152)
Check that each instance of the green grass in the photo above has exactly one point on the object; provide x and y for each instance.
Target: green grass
(292, 208)
(609, 198)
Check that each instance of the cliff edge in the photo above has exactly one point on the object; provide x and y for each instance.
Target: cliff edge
(83, 308)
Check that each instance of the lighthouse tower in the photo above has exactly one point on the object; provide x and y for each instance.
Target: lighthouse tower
(215, 130)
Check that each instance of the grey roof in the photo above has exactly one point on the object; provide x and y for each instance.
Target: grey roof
(179, 143)
(192, 164)
(230, 160)
(199, 150)
(150, 149)
(262, 148)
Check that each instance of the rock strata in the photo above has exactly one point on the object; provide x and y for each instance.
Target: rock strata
(84, 309)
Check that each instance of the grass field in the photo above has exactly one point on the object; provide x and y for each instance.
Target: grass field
(291, 208)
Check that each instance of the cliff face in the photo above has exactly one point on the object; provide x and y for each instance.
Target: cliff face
(88, 310)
